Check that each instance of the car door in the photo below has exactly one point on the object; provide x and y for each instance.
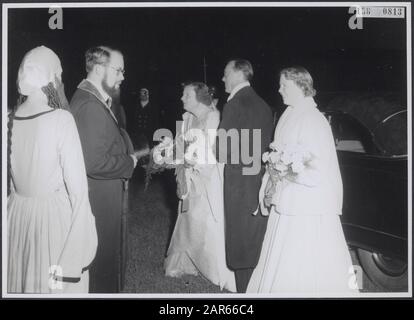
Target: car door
(375, 190)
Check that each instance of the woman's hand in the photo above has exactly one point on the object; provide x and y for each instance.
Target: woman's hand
(142, 152)
(189, 163)
(269, 192)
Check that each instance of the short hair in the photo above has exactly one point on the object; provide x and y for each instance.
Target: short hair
(97, 55)
(202, 93)
(301, 77)
(243, 66)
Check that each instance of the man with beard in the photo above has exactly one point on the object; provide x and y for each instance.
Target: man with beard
(109, 157)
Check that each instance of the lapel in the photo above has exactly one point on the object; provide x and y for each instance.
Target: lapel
(243, 91)
(90, 88)
(85, 85)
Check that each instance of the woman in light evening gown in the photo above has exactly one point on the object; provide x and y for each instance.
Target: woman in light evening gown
(50, 227)
(304, 250)
(197, 243)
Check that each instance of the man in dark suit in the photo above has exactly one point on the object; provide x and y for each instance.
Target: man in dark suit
(244, 111)
(109, 158)
(145, 119)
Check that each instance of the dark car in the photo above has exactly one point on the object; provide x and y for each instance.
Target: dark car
(374, 168)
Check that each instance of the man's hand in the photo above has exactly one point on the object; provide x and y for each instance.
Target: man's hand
(134, 158)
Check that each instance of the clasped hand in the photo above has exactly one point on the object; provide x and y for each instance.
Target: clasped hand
(141, 152)
(269, 192)
(270, 189)
(138, 154)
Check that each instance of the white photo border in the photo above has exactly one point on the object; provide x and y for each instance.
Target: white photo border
(7, 6)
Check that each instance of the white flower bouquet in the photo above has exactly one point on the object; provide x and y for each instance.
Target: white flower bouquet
(283, 162)
(187, 151)
(163, 156)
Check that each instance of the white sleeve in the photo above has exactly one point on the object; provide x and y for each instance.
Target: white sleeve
(81, 240)
(316, 138)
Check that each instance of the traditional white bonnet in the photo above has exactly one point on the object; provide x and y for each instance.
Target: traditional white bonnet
(39, 67)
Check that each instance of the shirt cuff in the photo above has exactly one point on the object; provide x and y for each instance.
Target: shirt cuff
(134, 158)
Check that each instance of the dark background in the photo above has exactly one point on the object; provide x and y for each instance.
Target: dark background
(163, 47)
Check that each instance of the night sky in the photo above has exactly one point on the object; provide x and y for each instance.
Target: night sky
(165, 46)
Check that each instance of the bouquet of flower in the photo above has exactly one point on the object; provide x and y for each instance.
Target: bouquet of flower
(195, 155)
(161, 157)
(283, 162)
(185, 153)
(194, 149)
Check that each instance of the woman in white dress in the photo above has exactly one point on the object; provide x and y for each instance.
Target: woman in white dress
(197, 243)
(51, 233)
(304, 249)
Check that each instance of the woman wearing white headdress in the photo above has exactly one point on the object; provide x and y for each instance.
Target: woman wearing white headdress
(50, 227)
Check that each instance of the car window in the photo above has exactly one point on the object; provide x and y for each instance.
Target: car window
(350, 145)
(351, 135)
(391, 134)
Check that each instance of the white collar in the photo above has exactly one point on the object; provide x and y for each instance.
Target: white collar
(237, 89)
(143, 104)
(104, 95)
(307, 102)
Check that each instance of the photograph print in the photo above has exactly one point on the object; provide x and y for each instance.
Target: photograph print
(218, 150)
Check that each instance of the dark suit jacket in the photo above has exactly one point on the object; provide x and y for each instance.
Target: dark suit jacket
(105, 149)
(244, 232)
(145, 121)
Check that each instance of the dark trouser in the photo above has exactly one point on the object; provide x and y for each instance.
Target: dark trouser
(104, 271)
(243, 278)
(106, 202)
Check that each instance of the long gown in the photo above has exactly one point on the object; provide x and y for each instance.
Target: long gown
(50, 225)
(304, 251)
(197, 244)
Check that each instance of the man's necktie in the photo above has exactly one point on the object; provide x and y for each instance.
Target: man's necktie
(111, 111)
(109, 103)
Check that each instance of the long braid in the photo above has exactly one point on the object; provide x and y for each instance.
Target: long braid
(11, 115)
(20, 100)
